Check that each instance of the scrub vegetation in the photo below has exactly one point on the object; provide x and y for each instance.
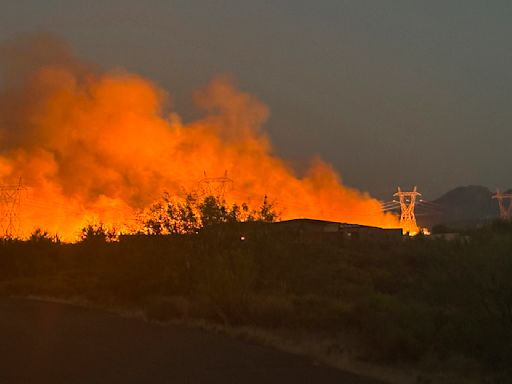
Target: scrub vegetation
(420, 302)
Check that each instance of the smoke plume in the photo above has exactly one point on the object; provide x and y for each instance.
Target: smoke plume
(92, 145)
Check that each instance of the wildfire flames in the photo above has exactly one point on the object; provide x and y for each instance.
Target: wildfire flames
(98, 146)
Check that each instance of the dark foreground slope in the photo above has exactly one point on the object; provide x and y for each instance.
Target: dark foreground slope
(46, 342)
(421, 302)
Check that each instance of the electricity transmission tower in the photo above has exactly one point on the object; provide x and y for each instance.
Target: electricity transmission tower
(505, 209)
(215, 186)
(407, 217)
(10, 199)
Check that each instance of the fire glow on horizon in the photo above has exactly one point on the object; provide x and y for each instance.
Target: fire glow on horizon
(97, 146)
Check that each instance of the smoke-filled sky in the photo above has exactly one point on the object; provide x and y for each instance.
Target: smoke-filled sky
(389, 92)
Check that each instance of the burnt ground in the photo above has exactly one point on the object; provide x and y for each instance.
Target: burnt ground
(45, 342)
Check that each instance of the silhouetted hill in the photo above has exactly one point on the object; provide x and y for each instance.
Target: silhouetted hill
(463, 206)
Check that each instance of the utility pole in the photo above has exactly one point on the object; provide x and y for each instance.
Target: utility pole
(407, 217)
(215, 186)
(505, 209)
(10, 199)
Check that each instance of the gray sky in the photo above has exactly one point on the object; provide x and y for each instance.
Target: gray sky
(390, 92)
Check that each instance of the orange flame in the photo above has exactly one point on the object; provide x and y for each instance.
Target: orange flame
(98, 146)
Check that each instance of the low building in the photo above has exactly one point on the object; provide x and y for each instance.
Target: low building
(310, 228)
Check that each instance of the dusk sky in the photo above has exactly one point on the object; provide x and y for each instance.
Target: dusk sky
(389, 92)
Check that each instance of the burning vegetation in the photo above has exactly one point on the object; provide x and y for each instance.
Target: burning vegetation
(94, 146)
(186, 216)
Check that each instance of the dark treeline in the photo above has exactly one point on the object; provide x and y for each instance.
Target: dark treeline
(409, 301)
(188, 215)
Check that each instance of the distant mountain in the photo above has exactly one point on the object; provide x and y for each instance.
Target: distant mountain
(461, 207)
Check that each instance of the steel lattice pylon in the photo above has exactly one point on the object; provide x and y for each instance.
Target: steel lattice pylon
(407, 217)
(215, 186)
(10, 199)
(505, 209)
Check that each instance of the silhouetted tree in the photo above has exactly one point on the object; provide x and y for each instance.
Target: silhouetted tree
(172, 216)
(41, 236)
(267, 212)
(95, 233)
(187, 216)
(214, 211)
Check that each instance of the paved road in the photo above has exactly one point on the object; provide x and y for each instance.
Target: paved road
(43, 342)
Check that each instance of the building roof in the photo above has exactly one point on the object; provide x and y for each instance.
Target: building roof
(324, 222)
